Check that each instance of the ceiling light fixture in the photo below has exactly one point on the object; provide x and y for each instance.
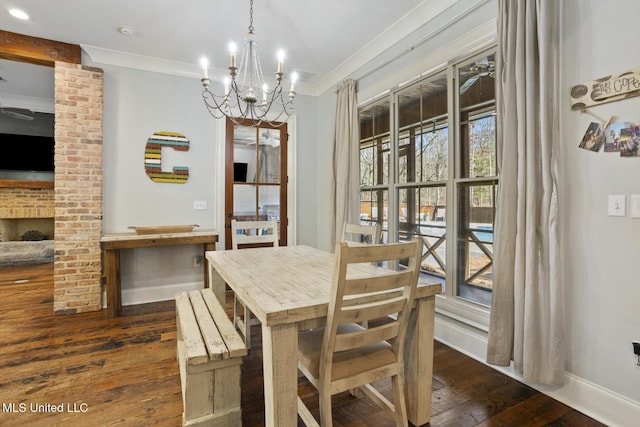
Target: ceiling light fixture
(20, 14)
(125, 30)
(240, 101)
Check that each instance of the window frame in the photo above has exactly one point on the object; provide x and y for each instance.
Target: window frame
(449, 304)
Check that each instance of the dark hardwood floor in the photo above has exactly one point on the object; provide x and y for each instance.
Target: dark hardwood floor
(123, 371)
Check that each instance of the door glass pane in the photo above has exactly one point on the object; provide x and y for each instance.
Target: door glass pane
(269, 202)
(244, 154)
(244, 202)
(269, 155)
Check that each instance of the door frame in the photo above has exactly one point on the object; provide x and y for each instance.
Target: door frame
(229, 182)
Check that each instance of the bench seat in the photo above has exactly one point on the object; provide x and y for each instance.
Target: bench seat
(210, 353)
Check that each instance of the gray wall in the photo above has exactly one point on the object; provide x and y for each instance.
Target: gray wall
(139, 103)
(600, 252)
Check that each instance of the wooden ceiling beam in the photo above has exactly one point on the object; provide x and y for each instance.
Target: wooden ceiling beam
(34, 50)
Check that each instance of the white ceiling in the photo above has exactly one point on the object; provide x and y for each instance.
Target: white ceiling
(323, 40)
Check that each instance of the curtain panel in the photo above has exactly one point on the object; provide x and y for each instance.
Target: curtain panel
(527, 309)
(345, 185)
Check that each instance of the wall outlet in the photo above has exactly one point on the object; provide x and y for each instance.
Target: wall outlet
(197, 260)
(200, 205)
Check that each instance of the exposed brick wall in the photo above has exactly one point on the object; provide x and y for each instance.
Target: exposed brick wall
(78, 188)
(25, 203)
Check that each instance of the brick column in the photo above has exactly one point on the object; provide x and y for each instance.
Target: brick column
(78, 188)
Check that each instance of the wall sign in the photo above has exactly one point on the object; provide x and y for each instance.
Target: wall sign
(606, 89)
(153, 157)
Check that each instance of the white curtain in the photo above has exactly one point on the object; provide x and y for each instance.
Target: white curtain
(527, 310)
(346, 161)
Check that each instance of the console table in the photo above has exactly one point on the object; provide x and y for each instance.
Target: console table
(112, 243)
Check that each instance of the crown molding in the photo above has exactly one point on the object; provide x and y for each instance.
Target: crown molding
(410, 22)
(402, 28)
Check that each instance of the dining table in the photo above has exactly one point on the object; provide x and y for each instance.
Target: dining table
(287, 289)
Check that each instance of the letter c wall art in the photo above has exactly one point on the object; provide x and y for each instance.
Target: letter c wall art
(153, 157)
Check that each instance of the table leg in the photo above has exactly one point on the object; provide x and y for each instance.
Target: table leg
(112, 277)
(280, 366)
(217, 284)
(207, 247)
(418, 357)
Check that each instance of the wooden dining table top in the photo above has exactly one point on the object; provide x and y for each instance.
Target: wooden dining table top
(287, 284)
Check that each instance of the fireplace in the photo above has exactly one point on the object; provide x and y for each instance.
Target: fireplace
(25, 210)
(14, 229)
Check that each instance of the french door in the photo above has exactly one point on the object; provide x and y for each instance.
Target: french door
(256, 175)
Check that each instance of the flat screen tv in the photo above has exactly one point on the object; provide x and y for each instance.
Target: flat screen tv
(26, 153)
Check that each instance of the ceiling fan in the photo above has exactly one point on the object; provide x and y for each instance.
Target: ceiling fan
(481, 68)
(17, 113)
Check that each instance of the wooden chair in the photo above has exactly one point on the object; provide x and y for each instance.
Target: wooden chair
(250, 233)
(358, 233)
(343, 355)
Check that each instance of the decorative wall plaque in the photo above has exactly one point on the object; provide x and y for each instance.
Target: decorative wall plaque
(607, 89)
(153, 157)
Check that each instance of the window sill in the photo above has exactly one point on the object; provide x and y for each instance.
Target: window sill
(463, 311)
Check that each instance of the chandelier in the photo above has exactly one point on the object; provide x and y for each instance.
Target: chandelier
(246, 95)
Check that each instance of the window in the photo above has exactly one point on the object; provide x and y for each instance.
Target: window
(428, 169)
(375, 162)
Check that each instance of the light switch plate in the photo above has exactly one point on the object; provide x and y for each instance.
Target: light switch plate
(635, 205)
(616, 205)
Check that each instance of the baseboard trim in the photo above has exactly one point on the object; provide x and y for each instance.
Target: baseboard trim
(591, 399)
(156, 293)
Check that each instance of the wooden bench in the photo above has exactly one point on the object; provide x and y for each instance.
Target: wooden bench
(210, 355)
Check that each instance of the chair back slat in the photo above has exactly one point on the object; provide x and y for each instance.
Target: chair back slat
(254, 232)
(372, 310)
(379, 253)
(354, 340)
(362, 234)
(393, 280)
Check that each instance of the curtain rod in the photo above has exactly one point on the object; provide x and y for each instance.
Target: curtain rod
(424, 39)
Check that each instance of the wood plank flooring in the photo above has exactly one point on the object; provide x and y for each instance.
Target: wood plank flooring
(107, 372)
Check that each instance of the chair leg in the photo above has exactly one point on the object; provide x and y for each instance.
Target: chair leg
(400, 406)
(325, 410)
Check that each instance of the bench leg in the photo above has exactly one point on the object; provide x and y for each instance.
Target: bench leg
(212, 398)
(242, 321)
